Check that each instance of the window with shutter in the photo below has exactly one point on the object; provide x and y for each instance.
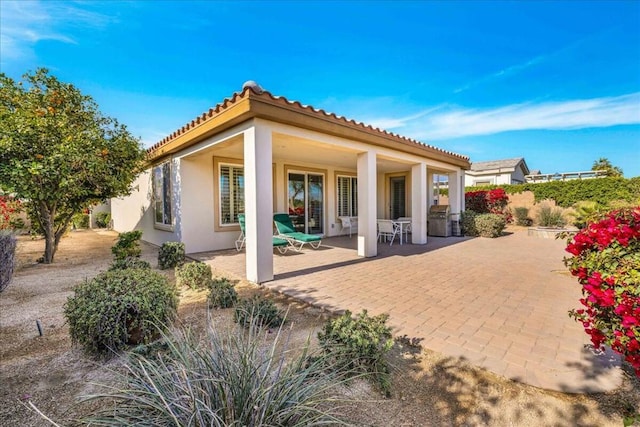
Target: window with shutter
(161, 183)
(347, 196)
(231, 193)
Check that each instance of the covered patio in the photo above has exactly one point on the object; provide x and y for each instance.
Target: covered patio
(498, 303)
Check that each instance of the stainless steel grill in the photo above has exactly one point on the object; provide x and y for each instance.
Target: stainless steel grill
(439, 224)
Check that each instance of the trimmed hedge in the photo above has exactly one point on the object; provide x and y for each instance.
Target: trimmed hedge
(568, 193)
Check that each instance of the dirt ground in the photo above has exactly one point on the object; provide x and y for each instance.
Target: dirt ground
(428, 388)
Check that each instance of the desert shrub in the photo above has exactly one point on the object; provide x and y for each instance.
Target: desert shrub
(468, 222)
(171, 255)
(80, 220)
(222, 294)
(120, 307)
(606, 260)
(129, 263)
(489, 201)
(489, 225)
(258, 311)
(103, 219)
(7, 257)
(226, 379)
(195, 275)
(522, 216)
(127, 246)
(360, 345)
(584, 212)
(550, 216)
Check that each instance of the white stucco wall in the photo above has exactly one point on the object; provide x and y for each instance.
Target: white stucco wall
(134, 212)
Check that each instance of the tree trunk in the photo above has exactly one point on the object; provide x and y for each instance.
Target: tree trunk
(50, 246)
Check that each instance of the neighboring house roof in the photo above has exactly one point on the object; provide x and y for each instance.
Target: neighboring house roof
(504, 165)
(253, 102)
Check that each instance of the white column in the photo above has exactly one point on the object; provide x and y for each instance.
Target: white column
(419, 204)
(258, 203)
(367, 189)
(456, 194)
(429, 189)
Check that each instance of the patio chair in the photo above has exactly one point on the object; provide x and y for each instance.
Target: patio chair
(281, 244)
(345, 222)
(387, 228)
(286, 230)
(407, 227)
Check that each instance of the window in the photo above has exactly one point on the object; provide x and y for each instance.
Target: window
(162, 194)
(231, 193)
(347, 196)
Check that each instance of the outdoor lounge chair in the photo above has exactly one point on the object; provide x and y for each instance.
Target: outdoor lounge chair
(286, 230)
(281, 244)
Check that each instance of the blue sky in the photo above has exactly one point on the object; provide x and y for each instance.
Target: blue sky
(555, 82)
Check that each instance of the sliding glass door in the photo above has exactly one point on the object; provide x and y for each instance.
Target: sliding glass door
(306, 201)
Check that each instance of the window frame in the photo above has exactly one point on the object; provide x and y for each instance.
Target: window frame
(352, 203)
(166, 198)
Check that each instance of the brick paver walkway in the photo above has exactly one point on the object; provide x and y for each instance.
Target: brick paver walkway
(499, 303)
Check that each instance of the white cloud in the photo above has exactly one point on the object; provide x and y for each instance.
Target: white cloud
(454, 122)
(25, 23)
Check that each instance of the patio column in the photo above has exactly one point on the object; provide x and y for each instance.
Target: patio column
(430, 186)
(258, 189)
(367, 210)
(419, 204)
(456, 194)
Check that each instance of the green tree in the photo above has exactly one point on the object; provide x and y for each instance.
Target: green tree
(603, 164)
(60, 153)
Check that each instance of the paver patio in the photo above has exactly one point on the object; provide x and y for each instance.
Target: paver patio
(499, 303)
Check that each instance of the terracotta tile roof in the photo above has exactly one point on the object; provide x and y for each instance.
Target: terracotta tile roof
(258, 93)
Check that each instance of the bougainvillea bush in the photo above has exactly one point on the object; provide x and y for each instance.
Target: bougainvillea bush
(606, 261)
(488, 201)
(9, 210)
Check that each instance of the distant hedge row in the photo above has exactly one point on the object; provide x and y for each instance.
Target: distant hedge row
(567, 193)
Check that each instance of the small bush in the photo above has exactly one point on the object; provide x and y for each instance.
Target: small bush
(7, 257)
(120, 307)
(80, 220)
(129, 263)
(127, 246)
(226, 379)
(222, 294)
(103, 219)
(259, 311)
(360, 345)
(195, 275)
(489, 225)
(171, 255)
(522, 216)
(468, 222)
(550, 216)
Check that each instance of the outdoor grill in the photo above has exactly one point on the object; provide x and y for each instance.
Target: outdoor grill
(439, 223)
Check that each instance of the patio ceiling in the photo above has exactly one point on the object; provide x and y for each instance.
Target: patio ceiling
(295, 150)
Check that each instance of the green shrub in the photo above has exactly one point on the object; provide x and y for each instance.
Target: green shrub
(522, 216)
(360, 345)
(226, 379)
(103, 219)
(171, 255)
(567, 193)
(585, 212)
(80, 220)
(259, 311)
(195, 275)
(550, 216)
(129, 263)
(468, 223)
(222, 294)
(120, 307)
(127, 246)
(7, 257)
(489, 225)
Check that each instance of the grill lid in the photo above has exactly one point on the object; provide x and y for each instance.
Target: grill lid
(439, 210)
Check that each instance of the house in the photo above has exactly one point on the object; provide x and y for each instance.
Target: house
(497, 172)
(256, 153)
